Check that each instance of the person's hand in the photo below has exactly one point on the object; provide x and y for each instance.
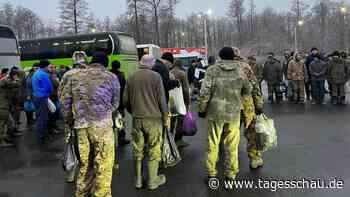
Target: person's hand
(29, 98)
(167, 121)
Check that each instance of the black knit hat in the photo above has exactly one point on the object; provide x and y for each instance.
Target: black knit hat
(116, 65)
(227, 53)
(44, 63)
(314, 49)
(168, 56)
(100, 58)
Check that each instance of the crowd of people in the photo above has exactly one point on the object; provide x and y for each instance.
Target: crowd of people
(303, 77)
(89, 98)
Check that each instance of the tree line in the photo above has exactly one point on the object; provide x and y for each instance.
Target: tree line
(324, 24)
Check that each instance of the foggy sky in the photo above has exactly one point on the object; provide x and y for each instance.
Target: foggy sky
(101, 8)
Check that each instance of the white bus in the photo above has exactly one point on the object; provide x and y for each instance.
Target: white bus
(149, 49)
(9, 53)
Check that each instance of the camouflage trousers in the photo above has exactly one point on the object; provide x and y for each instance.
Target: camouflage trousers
(147, 131)
(299, 90)
(250, 135)
(227, 134)
(3, 125)
(97, 151)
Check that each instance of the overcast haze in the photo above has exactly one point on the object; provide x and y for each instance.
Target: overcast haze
(48, 8)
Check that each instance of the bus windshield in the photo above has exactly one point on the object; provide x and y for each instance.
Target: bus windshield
(127, 45)
(8, 48)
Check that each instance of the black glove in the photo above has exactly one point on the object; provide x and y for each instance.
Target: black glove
(202, 114)
(259, 111)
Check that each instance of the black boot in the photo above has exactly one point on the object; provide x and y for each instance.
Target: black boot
(343, 100)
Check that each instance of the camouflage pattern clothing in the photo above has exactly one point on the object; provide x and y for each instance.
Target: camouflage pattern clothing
(298, 74)
(223, 87)
(147, 130)
(17, 98)
(101, 140)
(89, 96)
(6, 86)
(338, 71)
(338, 75)
(250, 104)
(257, 69)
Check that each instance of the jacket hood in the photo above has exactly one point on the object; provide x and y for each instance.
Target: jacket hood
(228, 65)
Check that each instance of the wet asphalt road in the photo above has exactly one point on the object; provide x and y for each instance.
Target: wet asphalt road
(314, 143)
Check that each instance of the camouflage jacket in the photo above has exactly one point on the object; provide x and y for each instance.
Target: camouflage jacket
(89, 96)
(297, 71)
(7, 86)
(222, 89)
(257, 69)
(338, 71)
(253, 101)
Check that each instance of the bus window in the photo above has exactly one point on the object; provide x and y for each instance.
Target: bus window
(127, 45)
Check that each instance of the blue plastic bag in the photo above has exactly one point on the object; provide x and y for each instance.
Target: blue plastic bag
(29, 106)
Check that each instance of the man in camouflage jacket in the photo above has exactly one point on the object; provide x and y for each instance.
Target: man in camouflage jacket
(89, 96)
(220, 100)
(338, 75)
(252, 105)
(7, 85)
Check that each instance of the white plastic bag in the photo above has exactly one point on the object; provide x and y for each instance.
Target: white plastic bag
(51, 106)
(266, 133)
(177, 97)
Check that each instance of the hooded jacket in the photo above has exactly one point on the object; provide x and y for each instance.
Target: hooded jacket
(223, 87)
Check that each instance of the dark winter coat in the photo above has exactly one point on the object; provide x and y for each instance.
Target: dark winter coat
(337, 71)
(272, 72)
(163, 71)
(318, 70)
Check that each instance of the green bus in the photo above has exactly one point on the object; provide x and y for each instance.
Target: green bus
(59, 50)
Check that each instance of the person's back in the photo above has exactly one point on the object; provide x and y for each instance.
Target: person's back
(180, 75)
(94, 89)
(220, 100)
(144, 98)
(89, 96)
(143, 90)
(227, 78)
(41, 84)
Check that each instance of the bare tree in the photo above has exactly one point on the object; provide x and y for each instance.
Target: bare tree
(67, 12)
(236, 10)
(155, 4)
